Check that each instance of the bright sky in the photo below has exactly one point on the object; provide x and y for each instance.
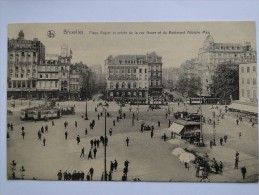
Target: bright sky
(92, 48)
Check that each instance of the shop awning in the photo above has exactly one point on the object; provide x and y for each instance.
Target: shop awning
(176, 128)
(244, 108)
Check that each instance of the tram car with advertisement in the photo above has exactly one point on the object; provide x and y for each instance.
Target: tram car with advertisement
(47, 113)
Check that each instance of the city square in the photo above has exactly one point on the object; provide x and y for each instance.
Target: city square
(149, 158)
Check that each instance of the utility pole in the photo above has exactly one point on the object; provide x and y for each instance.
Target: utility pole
(201, 135)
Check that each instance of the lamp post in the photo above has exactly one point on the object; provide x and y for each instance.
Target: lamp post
(214, 129)
(201, 135)
(105, 107)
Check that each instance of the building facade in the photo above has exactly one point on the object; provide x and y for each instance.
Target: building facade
(23, 58)
(48, 79)
(134, 78)
(212, 54)
(248, 82)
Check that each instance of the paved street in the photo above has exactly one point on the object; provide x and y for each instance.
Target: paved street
(150, 159)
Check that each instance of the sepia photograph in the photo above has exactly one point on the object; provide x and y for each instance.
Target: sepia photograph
(132, 102)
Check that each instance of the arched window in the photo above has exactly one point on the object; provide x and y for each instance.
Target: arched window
(134, 85)
(123, 85)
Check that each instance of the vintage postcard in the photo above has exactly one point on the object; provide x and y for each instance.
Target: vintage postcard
(153, 101)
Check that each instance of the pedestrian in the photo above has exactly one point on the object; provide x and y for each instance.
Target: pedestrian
(98, 116)
(11, 126)
(65, 175)
(237, 154)
(66, 135)
(75, 123)
(95, 151)
(82, 152)
(78, 139)
(237, 121)
(110, 176)
(110, 131)
(23, 134)
(39, 135)
(44, 141)
(225, 138)
(101, 113)
(85, 131)
(164, 137)
(91, 172)
(221, 140)
(46, 128)
(90, 154)
(115, 165)
(152, 134)
(65, 124)
(211, 144)
(97, 143)
(126, 163)
(59, 175)
(220, 167)
(158, 123)
(166, 115)
(42, 129)
(124, 115)
(8, 126)
(114, 123)
(239, 134)
(243, 171)
(125, 170)
(127, 141)
(111, 166)
(124, 177)
(236, 163)
(169, 123)
(53, 123)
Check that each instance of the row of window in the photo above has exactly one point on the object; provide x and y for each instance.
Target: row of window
(247, 69)
(129, 94)
(248, 94)
(22, 54)
(47, 84)
(22, 75)
(22, 84)
(248, 81)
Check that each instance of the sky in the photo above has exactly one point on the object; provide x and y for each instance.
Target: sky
(92, 43)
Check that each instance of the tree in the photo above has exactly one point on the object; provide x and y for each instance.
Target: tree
(225, 82)
(191, 85)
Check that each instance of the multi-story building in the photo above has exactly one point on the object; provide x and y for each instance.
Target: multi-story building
(64, 75)
(23, 58)
(48, 78)
(77, 80)
(248, 82)
(212, 54)
(134, 78)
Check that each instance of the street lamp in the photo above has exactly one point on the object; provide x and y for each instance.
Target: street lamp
(105, 107)
(214, 129)
(201, 135)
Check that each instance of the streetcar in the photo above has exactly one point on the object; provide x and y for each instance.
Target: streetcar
(203, 100)
(27, 113)
(46, 113)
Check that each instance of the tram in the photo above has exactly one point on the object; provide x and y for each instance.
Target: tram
(46, 113)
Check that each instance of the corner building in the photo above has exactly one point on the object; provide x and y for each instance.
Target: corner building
(135, 79)
(212, 54)
(23, 58)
